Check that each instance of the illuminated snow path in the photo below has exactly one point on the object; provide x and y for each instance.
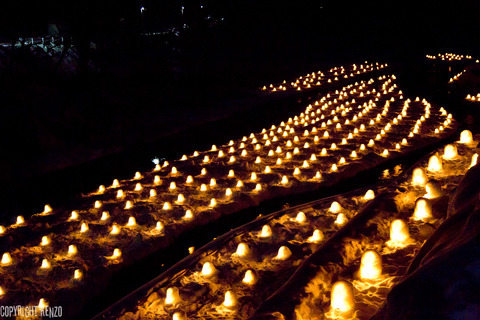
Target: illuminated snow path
(345, 132)
(230, 277)
(316, 79)
(374, 253)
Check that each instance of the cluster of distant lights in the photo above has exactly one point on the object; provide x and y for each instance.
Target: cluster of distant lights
(455, 77)
(473, 98)
(222, 298)
(315, 79)
(449, 57)
(341, 127)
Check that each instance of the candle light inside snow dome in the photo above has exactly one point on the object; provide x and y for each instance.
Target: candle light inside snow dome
(47, 209)
(434, 164)
(369, 195)
(242, 249)
(172, 296)
(301, 217)
(335, 207)
(180, 198)
(342, 298)
(77, 275)
(466, 137)
(131, 222)
(283, 253)
(6, 259)
(115, 229)
(84, 227)
(45, 241)
(370, 265)
(208, 269)
(179, 316)
(73, 215)
(230, 300)
(72, 250)
(117, 253)
(45, 264)
(266, 231)
(317, 236)
(42, 304)
(450, 152)
(423, 210)
(399, 234)
(249, 277)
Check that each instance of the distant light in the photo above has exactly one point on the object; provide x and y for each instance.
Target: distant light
(141, 11)
(155, 160)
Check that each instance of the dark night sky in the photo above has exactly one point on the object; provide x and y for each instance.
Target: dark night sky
(386, 23)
